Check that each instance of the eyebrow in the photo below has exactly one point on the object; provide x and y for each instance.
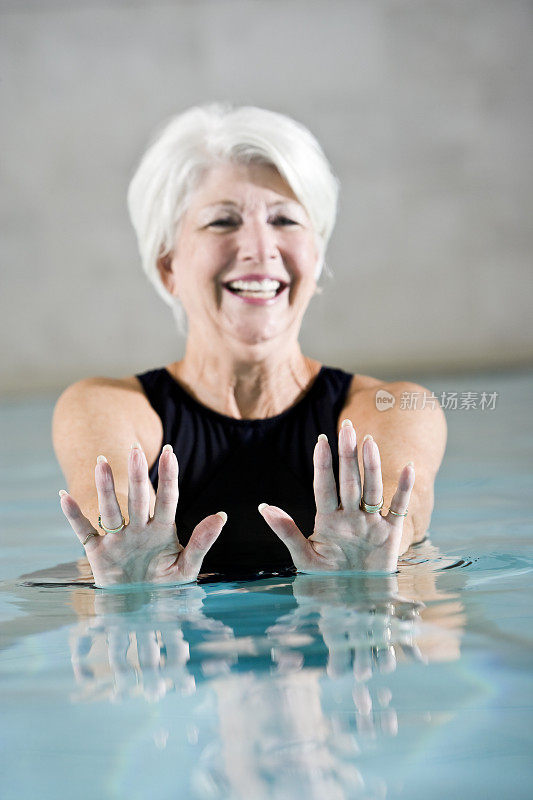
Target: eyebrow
(238, 206)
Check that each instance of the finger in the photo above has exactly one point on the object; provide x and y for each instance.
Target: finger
(78, 522)
(339, 659)
(167, 495)
(389, 722)
(362, 699)
(388, 716)
(148, 650)
(177, 648)
(324, 479)
(110, 513)
(118, 644)
(414, 653)
(402, 495)
(349, 477)
(80, 649)
(175, 655)
(125, 677)
(386, 659)
(287, 530)
(373, 482)
(362, 664)
(138, 487)
(202, 538)
(151, 663)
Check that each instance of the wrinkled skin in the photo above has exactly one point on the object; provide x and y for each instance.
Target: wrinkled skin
(345, 537)
(147, 549)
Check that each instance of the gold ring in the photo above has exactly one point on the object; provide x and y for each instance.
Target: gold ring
(88, 537)
(396, 514)
(371, 509)
(110, 530)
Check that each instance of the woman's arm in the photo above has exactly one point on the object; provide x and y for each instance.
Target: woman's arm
(97, 417)
(356, 535)
(403, 434)
(102, 416)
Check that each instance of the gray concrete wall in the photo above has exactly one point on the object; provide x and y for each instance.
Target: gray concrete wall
(424, 108)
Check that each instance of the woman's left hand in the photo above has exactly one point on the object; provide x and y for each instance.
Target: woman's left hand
(345, 536)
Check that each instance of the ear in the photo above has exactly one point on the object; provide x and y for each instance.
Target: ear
(164, 267)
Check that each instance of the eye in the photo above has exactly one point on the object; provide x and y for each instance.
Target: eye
(223, 223)
(281, 220)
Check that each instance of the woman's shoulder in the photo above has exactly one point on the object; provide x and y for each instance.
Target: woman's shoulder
(114, 404)
(368, 398)
(363, 386)
(100, 390)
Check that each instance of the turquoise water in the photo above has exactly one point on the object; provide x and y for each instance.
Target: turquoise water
(325, 687)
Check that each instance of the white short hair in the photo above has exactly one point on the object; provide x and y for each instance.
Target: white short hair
(192, 142)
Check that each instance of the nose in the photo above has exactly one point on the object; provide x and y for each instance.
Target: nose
(257, 241)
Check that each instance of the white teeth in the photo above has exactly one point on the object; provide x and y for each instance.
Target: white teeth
(262, 295)
(266, 285)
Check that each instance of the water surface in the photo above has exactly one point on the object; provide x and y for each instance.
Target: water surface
(335, 686)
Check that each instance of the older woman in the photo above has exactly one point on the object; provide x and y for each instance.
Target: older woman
(233, 209)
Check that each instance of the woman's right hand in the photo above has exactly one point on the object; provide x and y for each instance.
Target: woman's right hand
(147, 548)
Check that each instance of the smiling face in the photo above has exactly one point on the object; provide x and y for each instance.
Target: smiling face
(244, 257)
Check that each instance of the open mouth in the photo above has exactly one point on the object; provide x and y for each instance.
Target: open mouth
(266, 289)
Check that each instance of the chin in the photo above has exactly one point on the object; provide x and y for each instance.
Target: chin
(256, 335)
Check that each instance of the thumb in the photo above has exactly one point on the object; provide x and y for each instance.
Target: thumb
(202, 539)
(287, 530)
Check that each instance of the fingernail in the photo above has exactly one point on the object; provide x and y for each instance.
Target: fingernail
(223, 516)
(261, 506)
(168, 448)
(323, 437)
(62, 492)
(136, 446)
(101, 460)
(347, 423)
(368, 436)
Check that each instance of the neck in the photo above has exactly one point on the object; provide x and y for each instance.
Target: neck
(251, 386)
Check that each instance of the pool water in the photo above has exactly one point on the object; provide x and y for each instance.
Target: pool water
(331, 687)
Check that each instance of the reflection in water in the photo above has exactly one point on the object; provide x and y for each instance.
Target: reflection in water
(131, 643)
(302, 670)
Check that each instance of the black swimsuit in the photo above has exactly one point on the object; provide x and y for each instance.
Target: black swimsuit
(232, 465)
